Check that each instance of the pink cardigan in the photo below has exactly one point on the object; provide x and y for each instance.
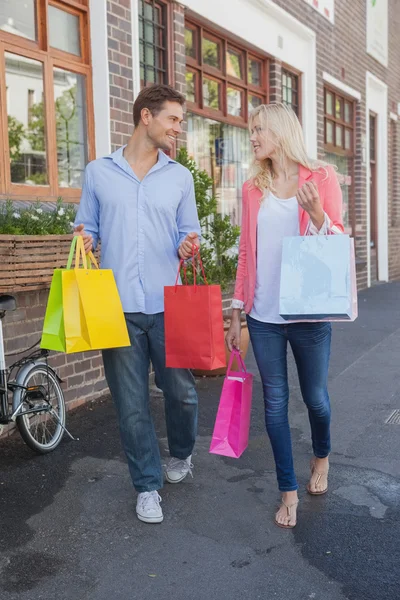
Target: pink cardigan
(331, 199)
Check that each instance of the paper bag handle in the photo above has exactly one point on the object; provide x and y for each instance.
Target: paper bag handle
(235, 354)
(78, 247)
(182, 263)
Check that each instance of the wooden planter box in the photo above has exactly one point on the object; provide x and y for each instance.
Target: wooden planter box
(27, 262)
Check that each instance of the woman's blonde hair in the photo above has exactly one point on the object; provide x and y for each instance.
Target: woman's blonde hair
(282, 122)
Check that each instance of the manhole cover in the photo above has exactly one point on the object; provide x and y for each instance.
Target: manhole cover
(394, 418)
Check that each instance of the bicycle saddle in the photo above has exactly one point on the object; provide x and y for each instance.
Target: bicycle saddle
(7, 302)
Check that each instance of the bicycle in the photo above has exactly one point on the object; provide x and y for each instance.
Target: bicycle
(38, 404)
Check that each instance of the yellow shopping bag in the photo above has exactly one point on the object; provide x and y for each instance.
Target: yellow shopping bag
(64, 292)
(90, 316)
(100, 305)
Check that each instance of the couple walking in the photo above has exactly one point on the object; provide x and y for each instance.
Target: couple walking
(140, 203)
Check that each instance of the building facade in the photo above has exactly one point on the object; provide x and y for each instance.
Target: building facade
(72, 68)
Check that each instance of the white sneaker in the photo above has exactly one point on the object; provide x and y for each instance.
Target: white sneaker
(177, 469)
(148, 507)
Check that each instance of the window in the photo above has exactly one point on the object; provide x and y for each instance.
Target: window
(46, 118)
(153, 42)
(224, 81)
(291, 90)
(339, 147)
(222, 150)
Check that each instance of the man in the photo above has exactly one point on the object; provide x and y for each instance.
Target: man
(141, 204)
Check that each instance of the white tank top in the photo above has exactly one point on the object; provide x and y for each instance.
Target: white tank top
(276, 219)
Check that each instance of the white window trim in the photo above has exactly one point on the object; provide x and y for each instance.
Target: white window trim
(339, 85)
(100, 76)
(135, 47)
(377, 102)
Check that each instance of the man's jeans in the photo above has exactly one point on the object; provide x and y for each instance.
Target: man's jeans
(127, 374)
(310, 343)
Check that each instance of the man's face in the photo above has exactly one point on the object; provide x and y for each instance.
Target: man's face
(164, 128)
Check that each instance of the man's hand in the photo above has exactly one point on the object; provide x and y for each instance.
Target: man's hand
(87, 238)
(186, 248)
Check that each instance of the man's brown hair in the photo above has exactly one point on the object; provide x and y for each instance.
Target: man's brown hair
(153, 98)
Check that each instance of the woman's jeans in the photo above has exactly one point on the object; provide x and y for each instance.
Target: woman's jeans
(127, 373)
(310, 343)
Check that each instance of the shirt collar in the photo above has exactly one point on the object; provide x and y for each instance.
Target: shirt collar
(118, 156)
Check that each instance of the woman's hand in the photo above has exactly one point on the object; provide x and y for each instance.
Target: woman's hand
(232, 338)
(308, 198)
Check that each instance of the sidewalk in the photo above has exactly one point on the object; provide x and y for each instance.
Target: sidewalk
(68, 525)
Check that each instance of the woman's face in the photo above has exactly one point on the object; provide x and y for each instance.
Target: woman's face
(262, 141)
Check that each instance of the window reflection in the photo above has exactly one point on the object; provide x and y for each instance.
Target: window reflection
(26, 120)
(64, 31)
(224, 152)
(18, 17)
(344, 170)
(211, 53)
(211, 94)
(69, 93)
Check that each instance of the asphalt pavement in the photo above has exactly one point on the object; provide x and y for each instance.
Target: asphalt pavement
(68, 529)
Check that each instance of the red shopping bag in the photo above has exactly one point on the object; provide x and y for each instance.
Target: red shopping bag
(232, 425)
(194, 328)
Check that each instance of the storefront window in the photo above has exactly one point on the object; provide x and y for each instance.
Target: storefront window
(344, 172)
(339, 147)
(225, 82)
(222, 150)
(46, 117)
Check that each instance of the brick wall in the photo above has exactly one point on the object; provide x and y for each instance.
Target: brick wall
(119, 28)
(275, 80)
(179, 58)
(341, 53)
(82, 373)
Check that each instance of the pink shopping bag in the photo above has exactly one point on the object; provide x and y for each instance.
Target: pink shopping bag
(232, 425)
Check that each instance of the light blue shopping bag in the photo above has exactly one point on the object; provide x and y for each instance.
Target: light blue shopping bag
(318, 279)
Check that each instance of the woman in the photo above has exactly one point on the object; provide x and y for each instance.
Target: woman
(287, 195)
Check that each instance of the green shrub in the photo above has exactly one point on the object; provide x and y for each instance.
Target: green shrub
(35, 220)
(219, 236)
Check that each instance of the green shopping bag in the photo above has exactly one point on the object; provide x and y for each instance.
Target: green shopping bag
(53, 335)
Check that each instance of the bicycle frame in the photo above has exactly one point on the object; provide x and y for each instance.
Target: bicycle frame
(3, 378)
(6, 386)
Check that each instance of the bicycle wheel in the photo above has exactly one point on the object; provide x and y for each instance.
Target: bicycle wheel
(42, 431)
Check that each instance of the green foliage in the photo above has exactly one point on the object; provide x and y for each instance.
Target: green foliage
(15, 136)
(36, 221)
(220, 237)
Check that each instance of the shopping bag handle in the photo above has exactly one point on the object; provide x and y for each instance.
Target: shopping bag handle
(87, 259)
(77, 247)
(71, 252)
(182, 263)
(235, 354)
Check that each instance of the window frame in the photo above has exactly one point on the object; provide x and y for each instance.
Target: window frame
(288, 70)
(341, 151)
(196, 65)
(332, 148)
(41, 51)
(167, 26)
